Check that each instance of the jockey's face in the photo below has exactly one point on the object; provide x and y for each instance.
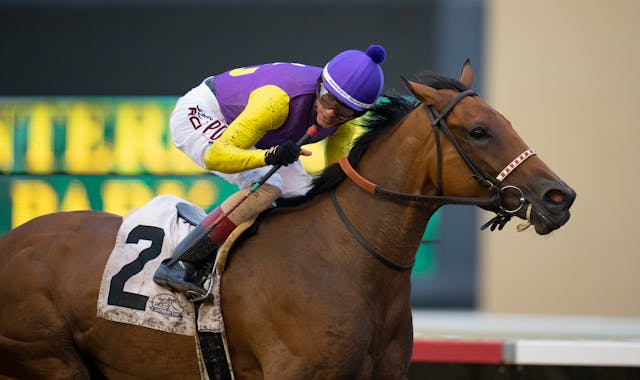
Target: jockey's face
(331, 111)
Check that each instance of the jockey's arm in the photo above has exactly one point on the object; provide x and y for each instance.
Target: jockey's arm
(339, 142)
(267, 109)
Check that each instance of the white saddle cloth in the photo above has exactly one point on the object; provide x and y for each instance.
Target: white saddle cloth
(127, 291)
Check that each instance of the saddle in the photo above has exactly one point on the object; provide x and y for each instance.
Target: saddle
(190, 213)
(193, 215)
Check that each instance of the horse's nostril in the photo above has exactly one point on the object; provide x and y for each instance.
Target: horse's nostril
(556, 197)
(559, 198)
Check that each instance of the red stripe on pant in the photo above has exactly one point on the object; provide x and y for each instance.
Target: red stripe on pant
(222, 229)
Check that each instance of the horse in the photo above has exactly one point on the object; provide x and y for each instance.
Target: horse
(321, 291)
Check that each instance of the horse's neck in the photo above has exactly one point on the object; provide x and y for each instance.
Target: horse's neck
(397, 162)
(404, 159)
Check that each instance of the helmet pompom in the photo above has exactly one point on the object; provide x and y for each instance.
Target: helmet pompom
(377, 53)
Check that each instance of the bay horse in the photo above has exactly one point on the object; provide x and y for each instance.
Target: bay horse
(322, 290)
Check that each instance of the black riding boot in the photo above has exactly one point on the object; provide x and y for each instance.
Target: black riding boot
(180, 272)
(193, 258)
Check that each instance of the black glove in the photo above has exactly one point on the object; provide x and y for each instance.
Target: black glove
(283, 154)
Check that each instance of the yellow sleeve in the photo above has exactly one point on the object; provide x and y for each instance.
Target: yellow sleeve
(339, 142)
(267, 109)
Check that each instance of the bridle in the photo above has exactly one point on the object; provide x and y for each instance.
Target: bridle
(493, 184)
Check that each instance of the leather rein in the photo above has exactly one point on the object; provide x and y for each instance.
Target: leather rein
(492, 183)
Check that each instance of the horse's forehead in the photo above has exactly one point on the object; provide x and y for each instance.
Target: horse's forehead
(473, 109)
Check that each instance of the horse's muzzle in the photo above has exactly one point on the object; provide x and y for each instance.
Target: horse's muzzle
(552, 210)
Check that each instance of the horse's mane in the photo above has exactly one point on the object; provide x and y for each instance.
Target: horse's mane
(440, 82)
(386, 113)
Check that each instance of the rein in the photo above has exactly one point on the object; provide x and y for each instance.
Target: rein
(492, 183)
(372, 188)
(363, 242)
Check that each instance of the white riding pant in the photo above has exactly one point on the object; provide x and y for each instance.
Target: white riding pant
(197, 121)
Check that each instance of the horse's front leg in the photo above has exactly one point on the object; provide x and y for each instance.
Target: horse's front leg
(394, 364)
(395, 358)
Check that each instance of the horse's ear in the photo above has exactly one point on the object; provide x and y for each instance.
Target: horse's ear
(425, 94)
(466, 74)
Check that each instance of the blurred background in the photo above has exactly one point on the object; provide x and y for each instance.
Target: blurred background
(87, 87)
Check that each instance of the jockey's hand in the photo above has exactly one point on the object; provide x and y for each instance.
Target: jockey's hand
(283, 154)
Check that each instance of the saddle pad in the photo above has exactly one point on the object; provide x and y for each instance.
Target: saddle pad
(127, 292)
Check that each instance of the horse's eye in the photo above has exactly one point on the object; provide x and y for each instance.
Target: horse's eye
(478, 133)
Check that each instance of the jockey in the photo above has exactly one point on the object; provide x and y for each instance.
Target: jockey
(241, 122)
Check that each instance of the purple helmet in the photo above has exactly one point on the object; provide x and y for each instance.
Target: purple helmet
(355, 77)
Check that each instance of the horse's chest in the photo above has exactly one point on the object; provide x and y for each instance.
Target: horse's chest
(379, 351)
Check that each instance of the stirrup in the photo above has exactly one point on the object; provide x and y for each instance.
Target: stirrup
(183, 277)
(196, 297)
